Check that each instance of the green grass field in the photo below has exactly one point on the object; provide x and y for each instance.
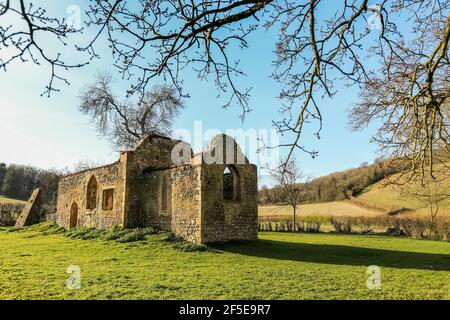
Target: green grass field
(33, 265)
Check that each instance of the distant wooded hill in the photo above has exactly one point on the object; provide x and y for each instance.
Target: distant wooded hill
(333, 187)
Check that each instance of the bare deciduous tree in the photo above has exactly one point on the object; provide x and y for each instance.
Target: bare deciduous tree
(432, 194)
(288, 177)
(84, 164)
(318, 46)
(410, 97)
(125, 123)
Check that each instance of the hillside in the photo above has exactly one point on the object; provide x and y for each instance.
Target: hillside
(377, 198)
(388, 197)
(336, 186)
(391, 200)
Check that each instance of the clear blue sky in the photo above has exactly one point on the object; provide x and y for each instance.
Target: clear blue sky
(51, 132)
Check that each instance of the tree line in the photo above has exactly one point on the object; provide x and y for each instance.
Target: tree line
(19, 181)
(333, 187)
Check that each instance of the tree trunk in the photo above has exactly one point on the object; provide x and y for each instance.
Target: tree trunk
(295, 207)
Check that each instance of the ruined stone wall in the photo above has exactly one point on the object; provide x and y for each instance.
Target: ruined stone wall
(145, 169)
(160, 186)
(151, 190)
(147, 208)
(152, 178)
(186, 202)
(227, 214)
(31, 214)
(9, 213)
(153, 152)
(224, 220)
(72, 189)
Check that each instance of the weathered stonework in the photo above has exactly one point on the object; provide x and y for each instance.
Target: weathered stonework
(31, 213)
(196, 198)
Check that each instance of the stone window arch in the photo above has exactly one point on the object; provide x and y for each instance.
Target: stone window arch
(164, 195)
(91, 195)
(73, 218)
(231, 183)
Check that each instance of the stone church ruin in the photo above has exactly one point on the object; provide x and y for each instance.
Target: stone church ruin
(207, 197)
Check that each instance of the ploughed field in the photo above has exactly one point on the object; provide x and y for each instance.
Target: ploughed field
(34, 263)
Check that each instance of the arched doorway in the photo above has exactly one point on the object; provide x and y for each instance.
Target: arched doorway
(73, 220)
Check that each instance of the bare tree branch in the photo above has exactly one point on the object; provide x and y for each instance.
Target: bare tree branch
(24, 44)
(406, 57)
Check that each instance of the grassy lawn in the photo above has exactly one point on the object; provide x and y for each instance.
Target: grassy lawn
(33, 265)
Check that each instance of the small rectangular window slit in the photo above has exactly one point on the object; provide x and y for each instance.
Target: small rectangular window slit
(108, 199)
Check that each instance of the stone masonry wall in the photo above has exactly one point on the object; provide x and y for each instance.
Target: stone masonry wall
(224, 220)
(144, 171)
(186, 202)
(151, 190)
(148, 196)
(73, 189)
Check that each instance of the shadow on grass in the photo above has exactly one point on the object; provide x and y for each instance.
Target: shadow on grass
(338, 254)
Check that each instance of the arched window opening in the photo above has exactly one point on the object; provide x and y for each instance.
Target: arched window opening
(73, 219)
(231, 184)
(164, 197)
(91, 197)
